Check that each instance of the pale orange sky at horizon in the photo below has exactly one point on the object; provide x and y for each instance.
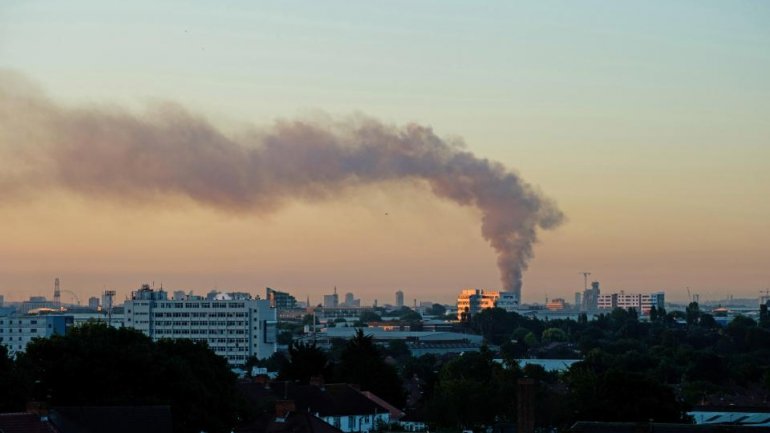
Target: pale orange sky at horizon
(646, 124)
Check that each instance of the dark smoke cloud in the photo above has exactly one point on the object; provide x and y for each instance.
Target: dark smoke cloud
(107, 152)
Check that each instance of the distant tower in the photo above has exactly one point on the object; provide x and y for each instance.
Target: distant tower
(399, 299)
(107, 298)
(56, 293)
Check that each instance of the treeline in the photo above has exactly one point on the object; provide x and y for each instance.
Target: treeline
(633, 370)
(95, 365)
(630, 370)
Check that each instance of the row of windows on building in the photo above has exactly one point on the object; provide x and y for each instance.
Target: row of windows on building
(240, 314)
(193, 304)
(240, 323)
(23, 330)
(199, 332)
(21, 322)
(223, 349)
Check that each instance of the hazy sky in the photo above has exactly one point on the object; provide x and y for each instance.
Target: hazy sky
(647, 122)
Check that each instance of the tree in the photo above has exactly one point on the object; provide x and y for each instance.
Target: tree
(285, 337)
(553, 335)
(621, 396)
(398, 349)
(133, 370)
(13, 388)
(438, 310)
(473, 390)
(308, 320)
(764, 316)
(653, 314)
(409, 315)
(305, 361)
(369, 316)
(692, 313)
(362, 363)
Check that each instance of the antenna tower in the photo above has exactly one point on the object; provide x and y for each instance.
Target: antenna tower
(56, 293)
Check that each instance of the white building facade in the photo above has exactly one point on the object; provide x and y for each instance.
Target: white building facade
(472, 301)
(641, 302)
(16, 331)
(234, 327)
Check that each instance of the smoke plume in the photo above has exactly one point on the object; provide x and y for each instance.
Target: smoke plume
(112, 153)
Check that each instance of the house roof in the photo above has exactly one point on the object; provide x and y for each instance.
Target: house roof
(327, 400)
(111, 419)
(395, 413)
(632, 427)
(24, 423)
(296, 422)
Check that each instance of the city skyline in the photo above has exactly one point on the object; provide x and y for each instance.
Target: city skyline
(653, 144)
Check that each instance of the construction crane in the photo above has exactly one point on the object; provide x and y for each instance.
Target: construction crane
(585, 279)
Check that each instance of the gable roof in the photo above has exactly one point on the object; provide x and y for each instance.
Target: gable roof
(296, 422)
(395, 413)
(24, 423)
(632, 427)
(111, 419)
(338, 399)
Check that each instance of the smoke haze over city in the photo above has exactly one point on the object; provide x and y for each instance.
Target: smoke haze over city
(109, 153)
(646, 125)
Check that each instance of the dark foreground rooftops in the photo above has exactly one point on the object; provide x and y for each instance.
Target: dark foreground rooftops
(295, 422)
(323, 400)
(24, 423)
(631, 427)
(111, 419)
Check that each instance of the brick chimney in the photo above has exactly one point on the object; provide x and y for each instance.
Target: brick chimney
(317, 381)
(283, 408)
(526, 406)
(38, 408)
(261, 378)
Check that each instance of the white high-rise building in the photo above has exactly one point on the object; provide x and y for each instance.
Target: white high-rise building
(642, 302)
(235, 327)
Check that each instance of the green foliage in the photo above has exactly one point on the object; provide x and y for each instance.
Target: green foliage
(398, 349)
(621, 396)
(98, 365)
(551, 335)
(473, 390)
(692, 313)
(307, 319)
(274, 363)
(369, 316)
(285, 337)
(305, 361)
(14, 390)
(362, 363)
(406, 314)
(437, 310)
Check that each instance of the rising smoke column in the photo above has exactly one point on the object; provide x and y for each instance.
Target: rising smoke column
(111, 153)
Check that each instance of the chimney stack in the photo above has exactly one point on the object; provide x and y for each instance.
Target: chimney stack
(283, 408)
(526, 406)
